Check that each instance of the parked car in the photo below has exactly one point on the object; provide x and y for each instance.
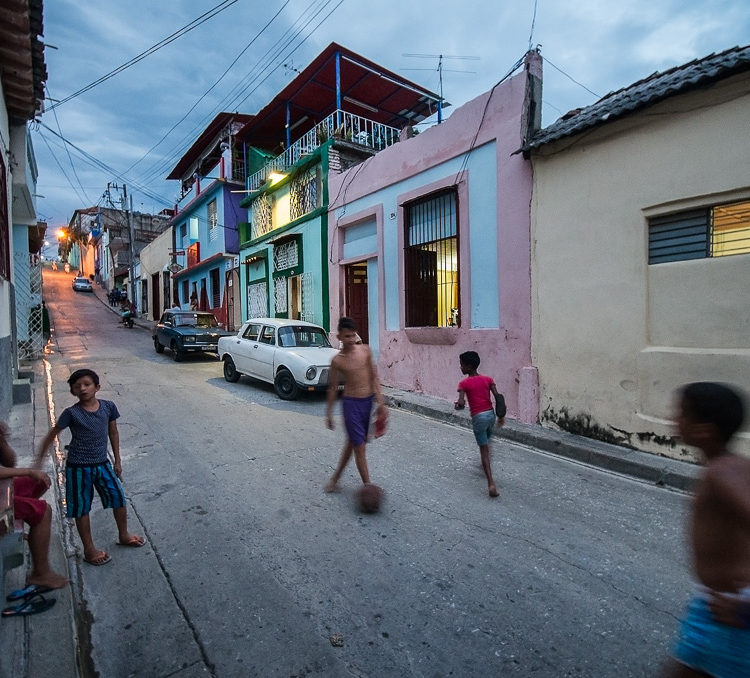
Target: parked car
(81, 284)
(187, 332)
(293, 355)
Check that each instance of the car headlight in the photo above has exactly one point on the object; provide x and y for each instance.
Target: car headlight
(311, 372)
(189, 340)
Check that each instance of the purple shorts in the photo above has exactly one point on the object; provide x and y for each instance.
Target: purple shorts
(357, 418)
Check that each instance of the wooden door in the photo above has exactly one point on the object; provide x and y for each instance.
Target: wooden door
(356, 298)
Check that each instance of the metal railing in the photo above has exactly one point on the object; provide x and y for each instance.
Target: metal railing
(339, 124)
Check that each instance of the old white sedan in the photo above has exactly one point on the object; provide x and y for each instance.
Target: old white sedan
(293, 355)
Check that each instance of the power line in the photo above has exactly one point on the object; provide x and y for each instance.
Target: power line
(170, 38)
(203, 96)
(598, 96)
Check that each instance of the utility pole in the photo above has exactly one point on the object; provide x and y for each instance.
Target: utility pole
(131, 233)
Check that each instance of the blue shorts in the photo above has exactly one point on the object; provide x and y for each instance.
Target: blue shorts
(483, 425)
(357, 413)
(705, 645)
(80, 482)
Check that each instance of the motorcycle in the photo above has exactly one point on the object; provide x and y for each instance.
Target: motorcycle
(126, 319)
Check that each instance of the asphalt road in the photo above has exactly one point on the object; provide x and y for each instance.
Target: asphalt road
(251, 570)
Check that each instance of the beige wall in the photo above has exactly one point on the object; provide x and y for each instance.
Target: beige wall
(612, 336)
(154, 257)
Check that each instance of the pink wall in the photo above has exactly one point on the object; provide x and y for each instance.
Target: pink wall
(426, 360)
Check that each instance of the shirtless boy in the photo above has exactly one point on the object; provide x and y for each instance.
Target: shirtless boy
(714, 637)
(354, 366)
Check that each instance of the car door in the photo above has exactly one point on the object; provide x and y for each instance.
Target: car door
(242, 348)
(163, 328)
(263, 353)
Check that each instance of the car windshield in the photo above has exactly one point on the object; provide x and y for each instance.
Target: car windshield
(195, 320)
(300, 335)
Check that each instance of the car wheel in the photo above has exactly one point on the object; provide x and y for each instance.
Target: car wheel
(286, 387)
(157, 346)
(176, 355)
(230, 371)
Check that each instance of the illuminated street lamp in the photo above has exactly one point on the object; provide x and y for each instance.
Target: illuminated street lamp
(61, 234)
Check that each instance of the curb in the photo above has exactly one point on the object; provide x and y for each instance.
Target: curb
(651, 468)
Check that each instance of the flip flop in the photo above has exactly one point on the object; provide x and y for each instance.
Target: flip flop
(101, 560)
(26, 591)
(134, 542)
(36, 604)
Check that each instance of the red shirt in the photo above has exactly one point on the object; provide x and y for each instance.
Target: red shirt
(477, 390)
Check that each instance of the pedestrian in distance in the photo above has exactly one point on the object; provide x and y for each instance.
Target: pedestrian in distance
(29, 484)
(476, 388)
(87, 467)
(714, 636)
(355, 368)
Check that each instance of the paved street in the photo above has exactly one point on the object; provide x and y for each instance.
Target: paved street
(251, 570)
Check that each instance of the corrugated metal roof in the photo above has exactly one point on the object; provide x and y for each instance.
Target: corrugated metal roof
(646, 92)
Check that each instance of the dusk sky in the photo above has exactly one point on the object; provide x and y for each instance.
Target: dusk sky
(130, 128)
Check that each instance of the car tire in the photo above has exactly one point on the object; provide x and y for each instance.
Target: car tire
(230, 371)
(286, 387)
(157, 346)
(176, 355)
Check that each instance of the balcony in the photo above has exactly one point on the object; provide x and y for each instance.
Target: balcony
(341, 125)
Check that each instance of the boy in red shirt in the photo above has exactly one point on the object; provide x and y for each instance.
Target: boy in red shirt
(477, 388)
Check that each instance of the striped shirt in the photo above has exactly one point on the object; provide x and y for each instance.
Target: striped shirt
(89, 431)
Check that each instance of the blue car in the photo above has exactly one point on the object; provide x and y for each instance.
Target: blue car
(185, 332)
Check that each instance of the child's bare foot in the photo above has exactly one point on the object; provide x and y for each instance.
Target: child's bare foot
(330, 486)
(493, 491)
(50, 581)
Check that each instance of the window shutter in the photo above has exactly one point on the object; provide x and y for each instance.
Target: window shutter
(678, 237)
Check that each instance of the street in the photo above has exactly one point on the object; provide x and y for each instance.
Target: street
(251, 570)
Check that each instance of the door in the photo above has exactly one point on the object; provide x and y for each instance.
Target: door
(356, 298)
(243, 348)
(155, 305)
(294, 297)
(263, 353)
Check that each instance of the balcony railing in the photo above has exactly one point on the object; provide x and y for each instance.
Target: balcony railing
(339, 124)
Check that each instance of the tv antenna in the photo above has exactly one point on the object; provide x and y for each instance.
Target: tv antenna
(440, 71)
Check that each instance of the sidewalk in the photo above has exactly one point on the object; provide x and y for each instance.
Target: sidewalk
(678, 475)
(42, 645)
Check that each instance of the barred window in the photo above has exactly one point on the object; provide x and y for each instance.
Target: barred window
(719, 231)
(213, 220)
(431, 267)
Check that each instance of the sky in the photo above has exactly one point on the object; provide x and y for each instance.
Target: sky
(133, 127)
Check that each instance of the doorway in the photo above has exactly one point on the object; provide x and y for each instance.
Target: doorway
(356, 298)
(294, 297)
(155, 305)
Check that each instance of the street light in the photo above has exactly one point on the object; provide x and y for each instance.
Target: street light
(61, 234)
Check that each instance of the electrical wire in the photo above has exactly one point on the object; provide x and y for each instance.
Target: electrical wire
(205, 94)
(533, 23)
(231, 101)
(560, 70)
(151, 50)
(62, 169)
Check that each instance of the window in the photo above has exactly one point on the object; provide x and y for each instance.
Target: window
(4, 224)
(215, 288)
(267, 335)
(718, 231)
(251, 332)
(183, 234)
(431, 261)
(185, 292)
(213, 221)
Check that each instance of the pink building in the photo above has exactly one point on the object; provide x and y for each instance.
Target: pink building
(430, 247)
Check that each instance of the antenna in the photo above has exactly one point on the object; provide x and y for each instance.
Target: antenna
(440, 70)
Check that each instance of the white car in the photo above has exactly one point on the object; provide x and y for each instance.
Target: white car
(293, 355)
(81, 284)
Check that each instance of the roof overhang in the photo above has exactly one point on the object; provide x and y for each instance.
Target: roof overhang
(338, 77)
(22, 67)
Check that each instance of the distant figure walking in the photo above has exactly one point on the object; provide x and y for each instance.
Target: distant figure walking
(91, 422)
(355, 367)
(477, 389)
(714, 637)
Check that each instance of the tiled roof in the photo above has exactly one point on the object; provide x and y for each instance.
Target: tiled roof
(646, 92)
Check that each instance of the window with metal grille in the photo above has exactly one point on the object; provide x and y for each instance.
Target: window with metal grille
(213, 220)
(4, 224)
(719, 231)
(215, 288)
(431, 268)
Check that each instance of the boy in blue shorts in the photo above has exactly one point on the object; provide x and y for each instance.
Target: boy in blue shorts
(87, 467)
(714, 636)
(477, 389)
(355, 367)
